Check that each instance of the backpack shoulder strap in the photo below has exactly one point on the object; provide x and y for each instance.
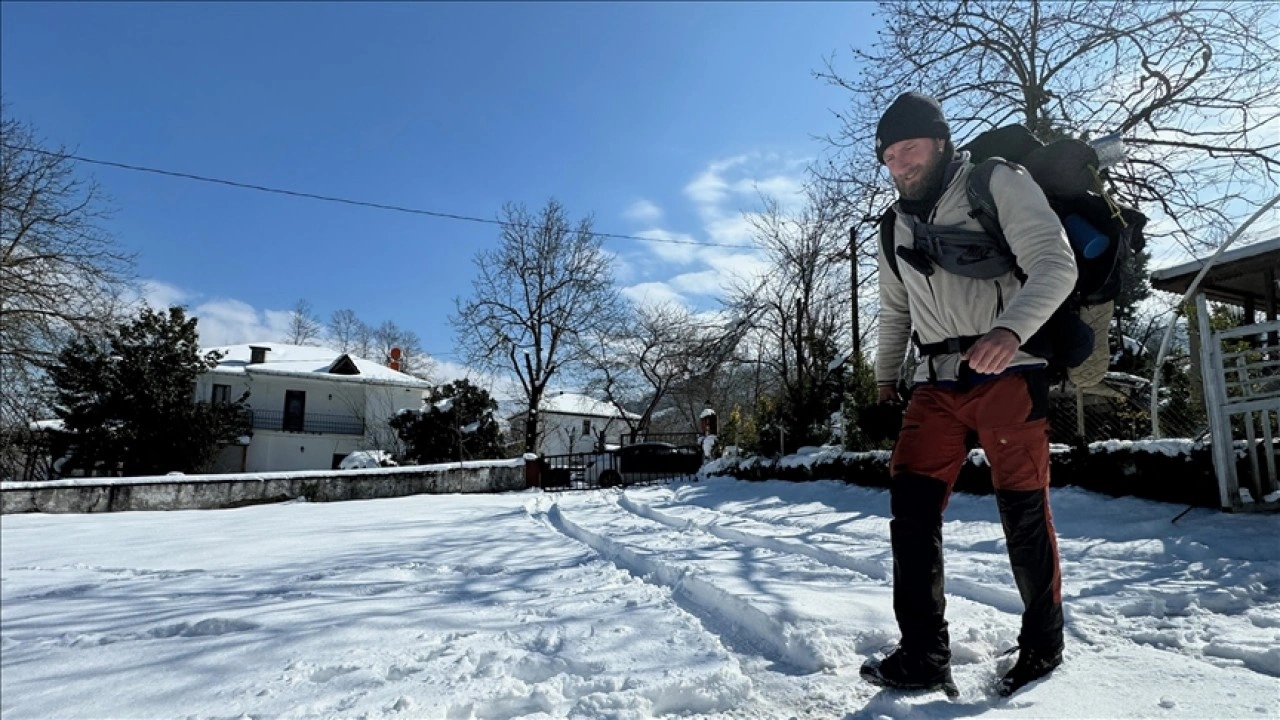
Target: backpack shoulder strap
(983, 204)
(887, 221)
(981, 201)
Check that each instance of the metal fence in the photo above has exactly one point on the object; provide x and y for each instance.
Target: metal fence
(590, 471)
(569, 472)
(1120, 409)
(310, 423)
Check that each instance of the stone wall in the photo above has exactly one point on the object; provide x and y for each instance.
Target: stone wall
(86, 495)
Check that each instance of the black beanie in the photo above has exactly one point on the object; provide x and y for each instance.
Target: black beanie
(912, 115)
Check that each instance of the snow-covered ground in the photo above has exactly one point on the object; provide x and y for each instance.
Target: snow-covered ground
(718, 598)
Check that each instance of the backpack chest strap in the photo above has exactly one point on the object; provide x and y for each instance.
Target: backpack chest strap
(969, 253)
(944, 347)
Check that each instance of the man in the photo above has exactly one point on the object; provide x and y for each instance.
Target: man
(974, 377)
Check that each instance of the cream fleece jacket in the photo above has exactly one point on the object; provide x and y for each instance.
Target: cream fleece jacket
(947, 305)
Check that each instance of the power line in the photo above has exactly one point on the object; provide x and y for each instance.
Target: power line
(348, 201)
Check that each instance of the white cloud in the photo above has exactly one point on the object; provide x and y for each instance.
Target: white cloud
(726, 186)
(447, 371)
(731, 230)
(725, 195)
(788, 190)
(682, 252)
(643, 211)
(161, 295)
(499, 388)
(624, 270)
(741, 266)
(708, 190)
(704, 282)
(229, 322)
(653, 292)
(221, 321)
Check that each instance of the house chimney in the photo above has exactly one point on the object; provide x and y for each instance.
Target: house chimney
(257, 354)
(394, 361)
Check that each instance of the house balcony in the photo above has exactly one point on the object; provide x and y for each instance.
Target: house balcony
(309, 423)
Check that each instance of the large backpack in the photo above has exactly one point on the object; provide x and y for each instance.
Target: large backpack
(1074, 340)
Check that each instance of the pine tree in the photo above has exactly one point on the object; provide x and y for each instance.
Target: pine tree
(127, 401)
(456, 422)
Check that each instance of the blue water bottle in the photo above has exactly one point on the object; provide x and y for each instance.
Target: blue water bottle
(1089, 240)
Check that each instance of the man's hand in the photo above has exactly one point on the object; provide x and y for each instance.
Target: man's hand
(992, 354)
(889, 394)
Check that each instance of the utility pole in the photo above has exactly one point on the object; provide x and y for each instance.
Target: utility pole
(853, 288)
(458, 430)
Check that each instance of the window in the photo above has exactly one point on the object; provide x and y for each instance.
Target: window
(586, 428)
(221, 393)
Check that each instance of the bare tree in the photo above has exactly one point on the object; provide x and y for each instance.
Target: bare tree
(413, 360)
(538, 296)
(304, 327)
(376, 409)
(362, 340)
(61, 274)
(799, 310)
(345, 331)
(657, 348)
(349, 334)
(1191, 86)
(854, 199)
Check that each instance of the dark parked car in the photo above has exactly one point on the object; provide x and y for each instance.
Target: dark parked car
(642, 462)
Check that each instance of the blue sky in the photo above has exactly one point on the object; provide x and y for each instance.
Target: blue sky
(659, 119)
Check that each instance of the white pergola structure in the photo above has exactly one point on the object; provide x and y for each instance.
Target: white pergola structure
(1239, 368)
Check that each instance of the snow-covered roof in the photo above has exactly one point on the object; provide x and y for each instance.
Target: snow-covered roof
(567, 403)
(310, 361)
(1239, 276)
(1240, 253)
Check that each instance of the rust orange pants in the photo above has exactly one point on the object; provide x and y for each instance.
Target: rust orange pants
(1009, 415)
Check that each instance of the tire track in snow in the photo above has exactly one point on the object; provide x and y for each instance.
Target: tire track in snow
(1002, 599)
(869, 568)
(715, 607)
(1082, 624)
(1089, 623)
(1005, 600)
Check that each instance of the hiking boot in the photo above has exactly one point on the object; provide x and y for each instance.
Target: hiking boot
(911, 670)
(1032, 665)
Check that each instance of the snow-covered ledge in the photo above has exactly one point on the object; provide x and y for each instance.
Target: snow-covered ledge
(199, 492)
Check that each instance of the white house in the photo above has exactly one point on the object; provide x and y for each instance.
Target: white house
(574, 423)
(311, 406)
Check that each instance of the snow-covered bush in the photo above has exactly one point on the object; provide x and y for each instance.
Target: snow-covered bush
(1175, 471)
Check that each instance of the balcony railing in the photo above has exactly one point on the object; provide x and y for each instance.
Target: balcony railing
(311, 423)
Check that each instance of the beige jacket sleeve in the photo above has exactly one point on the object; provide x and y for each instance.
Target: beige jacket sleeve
(895, 326)
(1040, 245)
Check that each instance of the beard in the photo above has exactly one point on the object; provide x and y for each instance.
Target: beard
(928, 179)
